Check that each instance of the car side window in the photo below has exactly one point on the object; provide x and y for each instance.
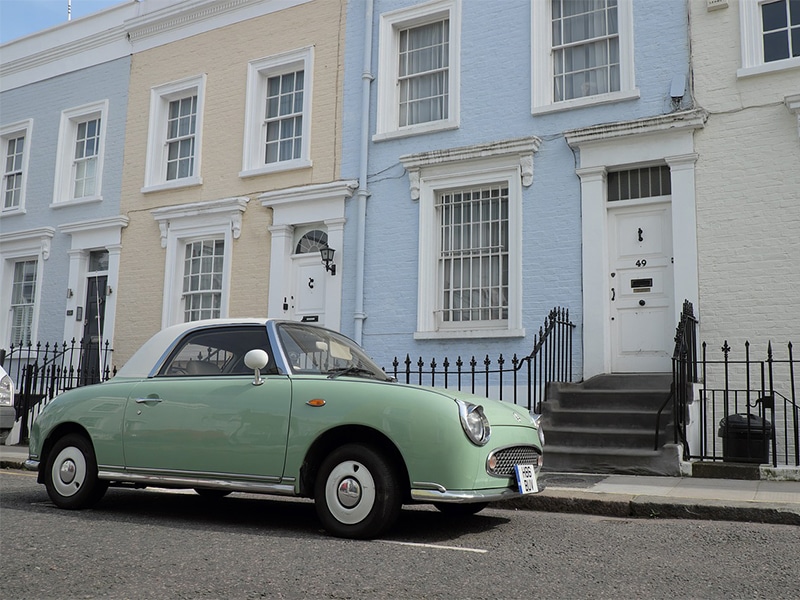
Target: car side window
(217, 351)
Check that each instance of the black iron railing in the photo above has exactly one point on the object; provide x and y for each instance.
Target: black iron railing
(734, 410)
(748, 408)
(684, 375)
(522, 379)
(42, 371)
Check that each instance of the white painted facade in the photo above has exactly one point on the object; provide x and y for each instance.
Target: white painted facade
(748, 182)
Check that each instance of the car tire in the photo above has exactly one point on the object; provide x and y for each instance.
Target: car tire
(356, 492)
(70, 475)
(460, 510)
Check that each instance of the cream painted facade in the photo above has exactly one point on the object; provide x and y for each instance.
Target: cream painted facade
(747, 183)
(219, 57)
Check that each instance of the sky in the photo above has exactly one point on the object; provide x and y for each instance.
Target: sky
(22, 17)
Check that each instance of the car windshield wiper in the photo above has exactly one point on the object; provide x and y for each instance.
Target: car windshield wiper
(352, 370)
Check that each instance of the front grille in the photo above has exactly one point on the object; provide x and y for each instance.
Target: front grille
(513, 455)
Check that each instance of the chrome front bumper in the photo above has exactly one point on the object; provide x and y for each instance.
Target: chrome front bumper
(436, 493)
(31, 465)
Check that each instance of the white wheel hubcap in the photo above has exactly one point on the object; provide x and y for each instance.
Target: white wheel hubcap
(69, 471)
(350, 492)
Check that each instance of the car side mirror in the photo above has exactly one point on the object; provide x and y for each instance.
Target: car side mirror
(256, 359)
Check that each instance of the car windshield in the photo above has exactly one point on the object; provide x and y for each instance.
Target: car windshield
(317, 351)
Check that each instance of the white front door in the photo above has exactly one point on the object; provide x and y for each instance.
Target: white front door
(308, 296)
(641, 287)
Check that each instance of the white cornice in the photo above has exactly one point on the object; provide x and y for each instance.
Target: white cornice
(527, 145)
(520, 149)
(688, 119)
(309, 193)
(34, 240)
(115, 222)
(180, 20)
(225, 208)
(70, 46)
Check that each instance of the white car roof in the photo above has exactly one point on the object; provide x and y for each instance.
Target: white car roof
(144, 359)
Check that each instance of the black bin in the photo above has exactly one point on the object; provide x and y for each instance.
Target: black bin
(745, 438)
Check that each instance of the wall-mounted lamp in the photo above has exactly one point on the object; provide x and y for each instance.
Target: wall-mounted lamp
(69, 293)
(327, 259)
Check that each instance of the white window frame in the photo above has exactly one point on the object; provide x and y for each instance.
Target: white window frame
(179, 225)
(391, 23)
(64, 181)
(7, 133)
(155, 174)
(258, 73)
(753, 43)
(543, 67)
(31, 244)
(507, 163)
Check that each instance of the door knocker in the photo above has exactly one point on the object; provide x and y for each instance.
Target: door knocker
(311, 283)
(641, 239)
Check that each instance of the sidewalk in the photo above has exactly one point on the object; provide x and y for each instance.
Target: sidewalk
(633, 496)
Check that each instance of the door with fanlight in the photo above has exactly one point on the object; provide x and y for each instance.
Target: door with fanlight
(641, 286)
(307, 301)
(92, 361)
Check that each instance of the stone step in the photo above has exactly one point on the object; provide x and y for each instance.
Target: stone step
(578, 398)
(627, 381)
(603, 437)
(634, 419)
(613, 460)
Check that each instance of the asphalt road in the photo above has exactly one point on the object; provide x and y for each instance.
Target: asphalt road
(156, 544)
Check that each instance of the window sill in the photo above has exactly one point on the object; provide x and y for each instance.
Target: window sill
(421, 129)
(289, 165)
(587, 101)
(78, 202)
(173, 185)
(469, 334)
(771, 67)
(10, 212)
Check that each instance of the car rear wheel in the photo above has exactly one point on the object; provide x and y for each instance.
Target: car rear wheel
(460, 510)
(356, 492)
(70, 475)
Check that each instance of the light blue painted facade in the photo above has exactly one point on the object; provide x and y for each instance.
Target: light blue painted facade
(43, 102)
(495, 105)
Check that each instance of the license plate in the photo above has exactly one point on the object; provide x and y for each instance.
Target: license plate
(526, 479)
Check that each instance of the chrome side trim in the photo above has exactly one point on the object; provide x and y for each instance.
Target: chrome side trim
(182, 481)
(426, 485)
(31, 465)
(464, 496)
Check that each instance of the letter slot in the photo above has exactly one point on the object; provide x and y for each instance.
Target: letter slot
(641, 285)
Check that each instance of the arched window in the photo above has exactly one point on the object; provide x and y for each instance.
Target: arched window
(313, 241)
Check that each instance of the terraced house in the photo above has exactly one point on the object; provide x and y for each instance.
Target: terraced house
(63, 110)
(230, 182)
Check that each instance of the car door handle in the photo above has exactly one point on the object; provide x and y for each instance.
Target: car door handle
(154, 400)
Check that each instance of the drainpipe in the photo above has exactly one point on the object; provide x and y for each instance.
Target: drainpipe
(363, 193)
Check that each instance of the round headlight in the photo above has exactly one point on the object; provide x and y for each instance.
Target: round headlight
(537, 422)
(474, 422)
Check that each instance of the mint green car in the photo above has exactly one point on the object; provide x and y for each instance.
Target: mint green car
(286, 408)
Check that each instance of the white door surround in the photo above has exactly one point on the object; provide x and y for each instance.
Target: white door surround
(98, 234)
(323, 204)
(664, 139)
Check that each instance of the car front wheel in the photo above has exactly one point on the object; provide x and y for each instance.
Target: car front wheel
(356, 492)
(71, 474)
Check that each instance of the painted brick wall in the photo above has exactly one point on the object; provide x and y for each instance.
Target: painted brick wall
(223, 54)
(748, 193)
(43, 102)
(495, 105)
